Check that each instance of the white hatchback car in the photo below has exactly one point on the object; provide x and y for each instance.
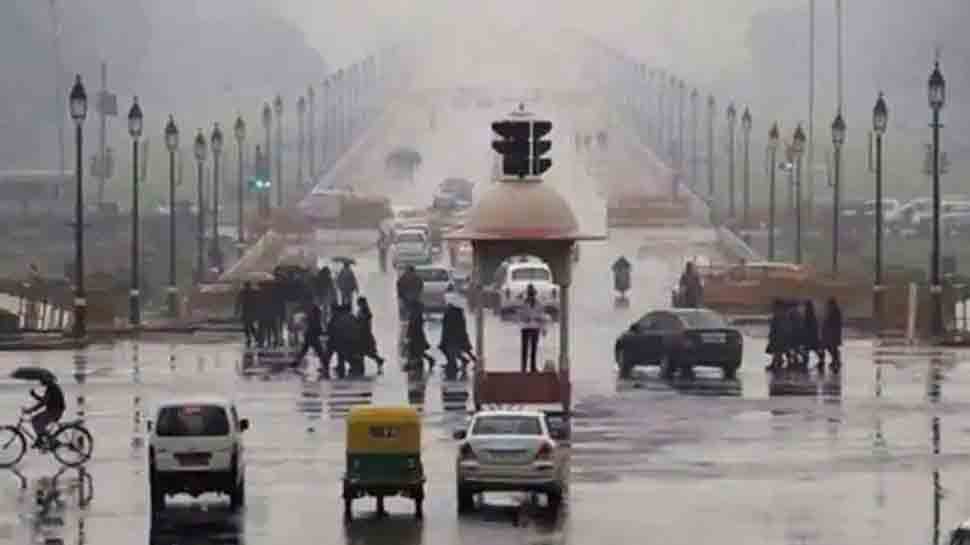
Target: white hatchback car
(196, 447)
(509, 451)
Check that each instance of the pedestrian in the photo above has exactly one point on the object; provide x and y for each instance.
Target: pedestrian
(365, 319)
(246, 308)
(417, 341)
(278, 305)
(832, 335)
(344, 339)
(454, 343)
(532, 319)
(795, 347)
(691, 288)
(325, 289)
(347, 284)
(265, 315)
(410, 286)
(809, 333)
(383, 245)
(312, 334)
(777, 336)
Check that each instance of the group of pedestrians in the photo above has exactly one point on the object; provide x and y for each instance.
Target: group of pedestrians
(349, 336)
(795, 334)
(263, 314)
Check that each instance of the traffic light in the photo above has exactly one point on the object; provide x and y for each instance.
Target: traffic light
(514, 146)
(540, 147)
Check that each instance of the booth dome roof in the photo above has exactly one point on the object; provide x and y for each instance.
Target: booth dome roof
(522, 209)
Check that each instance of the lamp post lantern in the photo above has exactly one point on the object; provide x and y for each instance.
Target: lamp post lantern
(239, 131)
(838, 139)
(172, 144)
(300, 115)
(773, 139)
(880, 122)
(78, 102)
(732, 117)
(746, 127)
(216, 142)
(200, 156)
(798, 147)
(135, 126)
(937, 99)
(278, 110)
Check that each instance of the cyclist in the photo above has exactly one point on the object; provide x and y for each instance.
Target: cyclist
(49, 409)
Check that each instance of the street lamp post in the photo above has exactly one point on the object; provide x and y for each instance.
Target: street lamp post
(746, 127)
(300, 114)
(838, 139)
(661, 115)
(937, 99)
(693, 139)
(267, 125)
(215, 141)
(278, 110)
(78, 102)
(773, 137)
(240, 132)
(681, 99)
(311, 101)
(200, 154)
(732, 117)
(711, 109)
(325, 136)
(172, 143)
(880, 122)
(135, 123)
(798, 147)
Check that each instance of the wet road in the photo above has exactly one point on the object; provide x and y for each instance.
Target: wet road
(877, 456)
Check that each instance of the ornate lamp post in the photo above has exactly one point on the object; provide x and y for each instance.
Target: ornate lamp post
(838, 139)
(278, 110)
(694, 95)
(798, 147)
(746, 127)
(135, 125)
(267, 125)
(172, 143)
(711, 109)
(880, 121)
(240, 133)
(311, 101)
(773, 139)
(215, 141)
(78, 102)
(200, 156)
(732, 117)
(300, 115)
(937, 99)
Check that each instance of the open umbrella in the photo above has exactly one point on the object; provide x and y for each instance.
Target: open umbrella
(345, 260)
(38, 374)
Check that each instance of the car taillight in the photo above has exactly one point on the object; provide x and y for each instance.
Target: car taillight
(467, 453)
(545, 452)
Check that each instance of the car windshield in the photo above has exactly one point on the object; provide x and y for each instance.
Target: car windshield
(703, 320)
(410, 238)
(433, 275)
(507, 425)
(192, 421)
(530, 273)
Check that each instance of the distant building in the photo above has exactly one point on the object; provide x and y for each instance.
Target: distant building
(36, 192)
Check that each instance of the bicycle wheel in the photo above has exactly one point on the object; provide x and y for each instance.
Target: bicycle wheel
(73, 445)
(13, 446)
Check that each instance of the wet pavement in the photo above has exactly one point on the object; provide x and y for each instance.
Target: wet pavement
(877, 455)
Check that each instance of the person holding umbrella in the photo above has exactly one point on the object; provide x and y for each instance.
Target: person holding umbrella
(50, 406)
(347, 283)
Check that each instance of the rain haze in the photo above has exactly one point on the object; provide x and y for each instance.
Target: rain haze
(383, 272)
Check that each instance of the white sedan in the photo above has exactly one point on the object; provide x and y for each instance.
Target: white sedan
(509, 451)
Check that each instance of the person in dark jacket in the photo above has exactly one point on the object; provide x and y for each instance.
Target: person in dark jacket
(312, 334)
(343, 338)
(265, 315)
(48, 410)
(279, 292)
(778, 338)
(246, 309)
(417, 341)
(454, 343)
(325, 290)
(793, 314)
(409, 289)
(691, 289)
(368, 342)
(832, 335)
(809, 333)
(347, 285)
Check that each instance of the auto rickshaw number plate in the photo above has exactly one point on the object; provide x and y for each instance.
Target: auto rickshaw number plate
(384, 432)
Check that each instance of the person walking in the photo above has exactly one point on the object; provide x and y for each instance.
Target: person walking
(532, 320)
(383, 245)
(246, 310)
(417, 341)
(809, 333)
(795, 347)
(369, 343)
(326, 291)
(409, 290)
(311, 337)
(454, 343)
(347, 285)
(265, 315)
(778, 337)
(832, 336)
(691, 288)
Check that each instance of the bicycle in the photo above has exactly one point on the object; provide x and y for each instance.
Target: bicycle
(70, 442)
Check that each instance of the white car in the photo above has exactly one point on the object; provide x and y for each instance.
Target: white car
(196, 447)
(509, 451)
(512, 279)
(411, 247)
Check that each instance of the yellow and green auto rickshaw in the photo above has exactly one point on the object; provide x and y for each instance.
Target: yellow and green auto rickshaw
(383, 456)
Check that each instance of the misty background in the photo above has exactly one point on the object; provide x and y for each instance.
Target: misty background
(205, 60)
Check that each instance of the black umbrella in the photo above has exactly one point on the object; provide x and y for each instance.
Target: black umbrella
(345, 260)
(38, 374)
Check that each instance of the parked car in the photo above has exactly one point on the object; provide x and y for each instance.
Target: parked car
(437, 280)
(513, 277)
(678, 340)
(503, 451)
(411, 247)
(196, 447)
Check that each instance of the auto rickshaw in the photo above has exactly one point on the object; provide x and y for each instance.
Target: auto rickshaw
(383, 457)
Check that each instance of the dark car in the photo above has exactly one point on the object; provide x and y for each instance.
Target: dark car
(677, 340)
(454, 194)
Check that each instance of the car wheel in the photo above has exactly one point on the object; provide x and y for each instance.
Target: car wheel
(666, 367)
(731, 371)
(466, 500)
(555, 500)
